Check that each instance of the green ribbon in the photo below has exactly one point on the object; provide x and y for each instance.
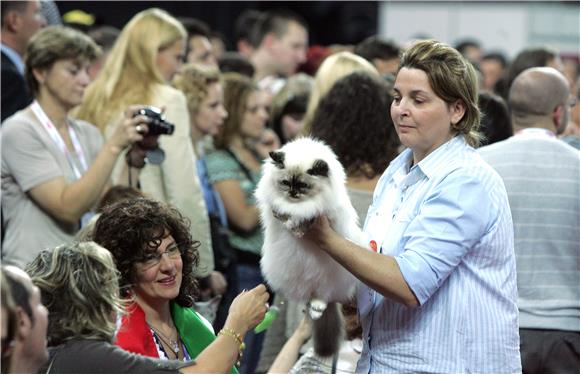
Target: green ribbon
(193, 331)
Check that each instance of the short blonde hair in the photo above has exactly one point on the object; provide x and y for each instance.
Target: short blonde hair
(194, 81)
(452, 78)
(55, 43)
(131, 72)
(334, 67)
(79, 284)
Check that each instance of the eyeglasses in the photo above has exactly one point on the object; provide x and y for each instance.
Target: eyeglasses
(154, 259)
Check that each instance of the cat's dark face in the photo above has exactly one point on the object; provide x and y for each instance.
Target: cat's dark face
(299, 182)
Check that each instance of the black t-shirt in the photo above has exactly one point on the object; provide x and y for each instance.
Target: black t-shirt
(93, 356)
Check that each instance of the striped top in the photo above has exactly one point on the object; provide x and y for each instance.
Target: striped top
(447, 223)
(542, 177)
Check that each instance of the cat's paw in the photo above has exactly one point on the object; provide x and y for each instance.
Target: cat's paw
(316, 308)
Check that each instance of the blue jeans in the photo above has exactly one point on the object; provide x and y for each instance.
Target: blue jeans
(248, 277)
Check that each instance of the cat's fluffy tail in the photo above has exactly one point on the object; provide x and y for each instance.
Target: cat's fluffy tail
(328, 331)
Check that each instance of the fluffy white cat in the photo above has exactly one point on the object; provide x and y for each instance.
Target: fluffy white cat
(301, 181)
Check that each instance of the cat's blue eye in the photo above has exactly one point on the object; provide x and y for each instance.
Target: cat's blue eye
(285, 183)
(301, 185)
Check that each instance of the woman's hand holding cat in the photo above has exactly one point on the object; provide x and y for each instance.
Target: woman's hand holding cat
(320, 233)
(247, 310)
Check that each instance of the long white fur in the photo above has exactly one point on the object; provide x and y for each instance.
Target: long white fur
(292, 265)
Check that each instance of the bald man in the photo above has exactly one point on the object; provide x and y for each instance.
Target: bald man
(542, 177)
(29, 352)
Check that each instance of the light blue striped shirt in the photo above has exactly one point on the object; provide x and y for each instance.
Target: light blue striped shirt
(447, 223)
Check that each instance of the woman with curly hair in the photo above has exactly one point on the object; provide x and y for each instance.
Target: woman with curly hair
(79, 286)
(205, 101)
(353, 119)
(156, 257)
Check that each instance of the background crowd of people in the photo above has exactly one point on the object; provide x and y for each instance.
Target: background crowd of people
(131, 238)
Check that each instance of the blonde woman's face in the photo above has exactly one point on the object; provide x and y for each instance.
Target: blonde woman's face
(211, 113)
(170, 59)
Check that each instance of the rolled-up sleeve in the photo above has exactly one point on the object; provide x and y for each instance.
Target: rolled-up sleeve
(450, 221)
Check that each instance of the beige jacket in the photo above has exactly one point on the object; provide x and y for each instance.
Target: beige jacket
(175, 181)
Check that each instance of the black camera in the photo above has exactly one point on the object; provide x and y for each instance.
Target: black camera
(157, 125)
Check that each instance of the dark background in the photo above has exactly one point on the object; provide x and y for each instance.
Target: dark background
(330, 22)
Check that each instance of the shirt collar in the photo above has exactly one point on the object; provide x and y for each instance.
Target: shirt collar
(402, 160)
(14, 57)
(399, 170)
(536, 132)
(441, 156)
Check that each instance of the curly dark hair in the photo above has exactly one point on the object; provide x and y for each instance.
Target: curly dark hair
(354, 120)
(132, 230)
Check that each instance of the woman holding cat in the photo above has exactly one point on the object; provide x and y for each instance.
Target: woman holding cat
(160, 322)
(438, 289)
(234, 170)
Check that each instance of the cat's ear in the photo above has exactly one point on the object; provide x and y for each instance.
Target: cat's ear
(278, 159)
(320, 168)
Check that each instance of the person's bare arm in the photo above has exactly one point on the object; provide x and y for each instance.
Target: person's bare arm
(240, 214)
(288, 356)
(67, 202)
(379, 272)
(247, 310)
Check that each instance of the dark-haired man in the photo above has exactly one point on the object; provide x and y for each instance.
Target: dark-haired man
(470, 49)
(199, 48)
(281, 38)
(29, 351)
(20, 21)
(383, 54)
(243, 31)
(493, 67)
